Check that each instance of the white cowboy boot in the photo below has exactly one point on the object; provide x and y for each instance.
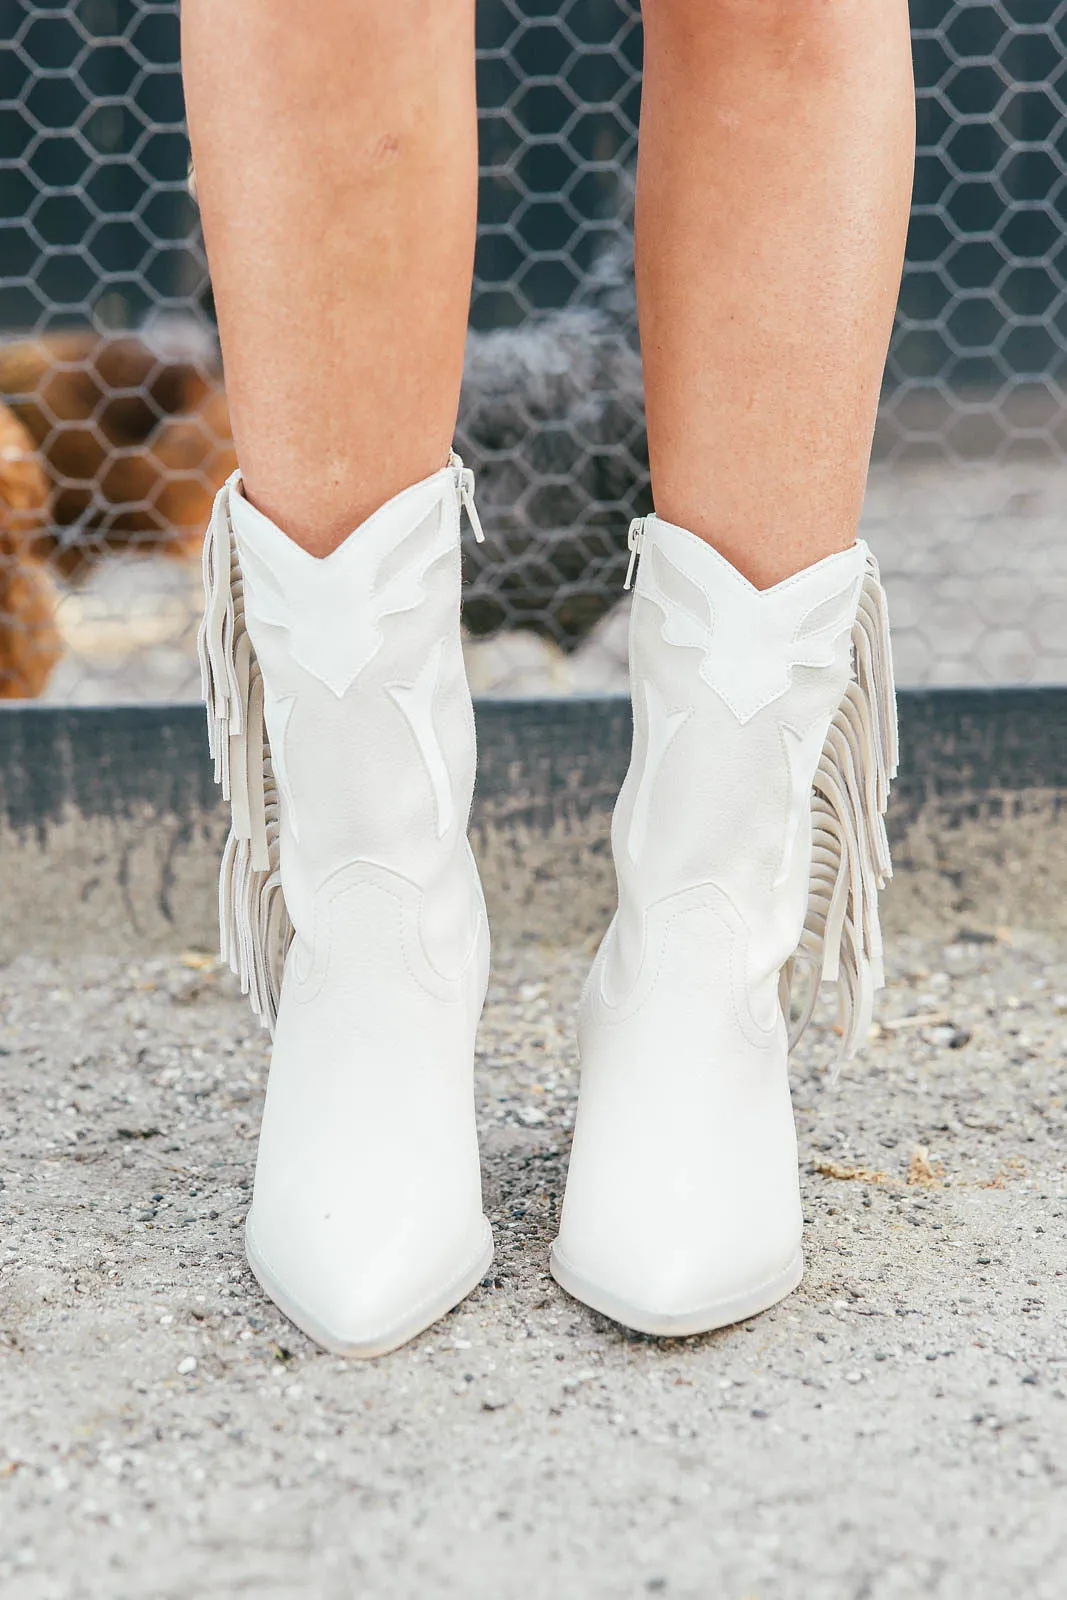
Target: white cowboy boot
(748, 839)
(342, 729)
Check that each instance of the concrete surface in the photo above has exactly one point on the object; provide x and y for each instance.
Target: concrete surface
(897, 1428)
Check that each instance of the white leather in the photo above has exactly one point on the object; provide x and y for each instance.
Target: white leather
(682, 1207)
(366, 1222)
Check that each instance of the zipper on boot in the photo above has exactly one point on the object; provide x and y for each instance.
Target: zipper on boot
(635, 539)
(464, 481)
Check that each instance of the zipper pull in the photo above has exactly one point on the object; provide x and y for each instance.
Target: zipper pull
(464, 480)
(634, 540)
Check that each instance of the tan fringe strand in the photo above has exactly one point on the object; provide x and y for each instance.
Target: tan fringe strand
(842, 938)
(254, 927)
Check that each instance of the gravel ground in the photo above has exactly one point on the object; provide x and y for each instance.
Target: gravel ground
(898, 1427)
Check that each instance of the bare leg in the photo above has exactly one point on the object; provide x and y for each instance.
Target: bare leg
(337, 173)
(777, 142)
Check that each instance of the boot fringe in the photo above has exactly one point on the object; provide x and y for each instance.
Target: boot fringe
(254, 927)
(842, 939)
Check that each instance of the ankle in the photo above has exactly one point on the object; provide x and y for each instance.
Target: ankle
(764, 555)
(318, 506)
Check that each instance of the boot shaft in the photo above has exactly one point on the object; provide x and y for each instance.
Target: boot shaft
(764, 740)
(367, 709)
(340, 723)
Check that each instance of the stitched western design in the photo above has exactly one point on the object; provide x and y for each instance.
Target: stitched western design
(660, 727)
(277, 715)
(802, 752)
(416, 701)
(749, 628)
(333, 609)
(707, 931)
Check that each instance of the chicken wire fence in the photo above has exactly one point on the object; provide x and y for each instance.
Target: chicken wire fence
(114, 431)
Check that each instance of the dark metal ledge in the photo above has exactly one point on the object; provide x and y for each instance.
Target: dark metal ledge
(111, 827)
(536, 757)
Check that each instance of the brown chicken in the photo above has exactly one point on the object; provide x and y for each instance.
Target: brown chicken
(30, 644)
(135, 445)
(104, 445)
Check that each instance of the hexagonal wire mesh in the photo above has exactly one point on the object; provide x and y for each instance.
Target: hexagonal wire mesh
(115, 430)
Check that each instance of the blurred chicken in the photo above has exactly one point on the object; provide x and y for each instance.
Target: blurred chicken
(135, 443)
(30, 644)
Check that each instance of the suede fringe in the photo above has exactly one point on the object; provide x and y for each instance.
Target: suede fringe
(842, 938)
(254, 927)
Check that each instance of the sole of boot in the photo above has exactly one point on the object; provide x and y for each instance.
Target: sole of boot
(679, 1325)
(416, 1321)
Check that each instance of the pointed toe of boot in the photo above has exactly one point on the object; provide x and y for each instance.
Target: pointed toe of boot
(685, 1255)
(364, 1298)
(682, 1207)
(674, 1297)
(366, 1222)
